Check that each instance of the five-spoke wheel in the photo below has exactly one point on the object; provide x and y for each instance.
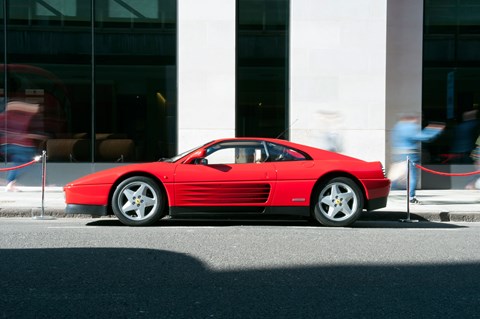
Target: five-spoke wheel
(138, 201)
(338, 202)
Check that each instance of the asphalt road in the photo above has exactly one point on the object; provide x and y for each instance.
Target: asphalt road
(84, 268)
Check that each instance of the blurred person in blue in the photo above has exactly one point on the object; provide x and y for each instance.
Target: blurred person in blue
(405, 140)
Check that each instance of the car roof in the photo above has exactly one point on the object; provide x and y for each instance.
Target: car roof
(313, 152)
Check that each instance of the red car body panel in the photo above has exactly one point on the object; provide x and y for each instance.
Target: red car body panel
(87, 194)
(96, 187)
(236, 185)
(266, 184)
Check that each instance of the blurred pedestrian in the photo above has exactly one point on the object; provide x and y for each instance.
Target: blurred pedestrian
(465, 134)
(330, 125)
(475, 155)
(405, 139)
(21, 130)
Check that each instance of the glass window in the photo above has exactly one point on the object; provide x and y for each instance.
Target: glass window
(451, 74)
(2, 53)
(242, 152)
(104, 72)
(49, 64)
(222, 156)
(262, 68)
(49, 12)
(135, 80)
(137, 13)
(280, 153)
(248, 152)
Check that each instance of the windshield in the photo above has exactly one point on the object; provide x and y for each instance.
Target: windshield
(179, 156)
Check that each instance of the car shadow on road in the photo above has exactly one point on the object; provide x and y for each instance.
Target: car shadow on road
(151, 283)
(415, 222)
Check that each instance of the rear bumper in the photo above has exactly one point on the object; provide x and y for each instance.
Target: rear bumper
(376, 203)
(377, 193)
(94, 210)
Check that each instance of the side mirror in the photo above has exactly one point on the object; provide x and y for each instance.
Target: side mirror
(193, 157)
(200, 161)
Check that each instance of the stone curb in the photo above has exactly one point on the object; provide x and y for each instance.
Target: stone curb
(32, 212)
(423, 216)
(368, 216)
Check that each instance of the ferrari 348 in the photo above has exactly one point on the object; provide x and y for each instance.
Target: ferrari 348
(235, 178)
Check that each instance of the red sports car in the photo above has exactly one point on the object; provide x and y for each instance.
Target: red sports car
(235, 177)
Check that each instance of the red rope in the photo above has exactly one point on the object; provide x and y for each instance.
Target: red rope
(19, 166)
(446, 174)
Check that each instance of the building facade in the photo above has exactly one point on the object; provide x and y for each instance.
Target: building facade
(138, 80)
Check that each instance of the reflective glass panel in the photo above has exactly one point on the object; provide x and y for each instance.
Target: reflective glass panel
(135, 80)
(451, 74)
(50, 65)
(2, 54)
(103, 73)
(262, 68)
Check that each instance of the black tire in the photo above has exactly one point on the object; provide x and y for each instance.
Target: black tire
(138, 201)
(338, 202)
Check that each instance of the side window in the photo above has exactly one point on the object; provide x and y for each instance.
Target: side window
(221, 156)
(244, 152)
(280, 153)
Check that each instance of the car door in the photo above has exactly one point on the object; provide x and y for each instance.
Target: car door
(232, 178)
(296, 176)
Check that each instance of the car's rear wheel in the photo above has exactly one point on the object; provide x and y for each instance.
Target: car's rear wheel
(138, 201)
(338, 202)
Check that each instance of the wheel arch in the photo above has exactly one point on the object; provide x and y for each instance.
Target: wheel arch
(132, 174)
(334, 174)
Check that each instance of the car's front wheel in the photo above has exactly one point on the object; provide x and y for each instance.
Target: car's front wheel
(138, 201)
(338, 202)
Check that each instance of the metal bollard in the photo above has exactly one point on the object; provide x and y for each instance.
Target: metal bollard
(44, 178)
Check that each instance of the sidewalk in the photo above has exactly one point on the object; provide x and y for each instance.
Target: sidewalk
(436, 205)
(456, 205)
(27, 202)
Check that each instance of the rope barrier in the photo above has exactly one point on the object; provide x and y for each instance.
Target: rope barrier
(445, 174)
(35, 160)
(429, 171)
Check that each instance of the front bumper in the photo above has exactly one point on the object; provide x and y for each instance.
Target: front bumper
(94, 210)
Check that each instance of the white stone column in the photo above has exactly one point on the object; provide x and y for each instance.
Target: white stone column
(337, 75)
(206, 71)
(404, 61)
